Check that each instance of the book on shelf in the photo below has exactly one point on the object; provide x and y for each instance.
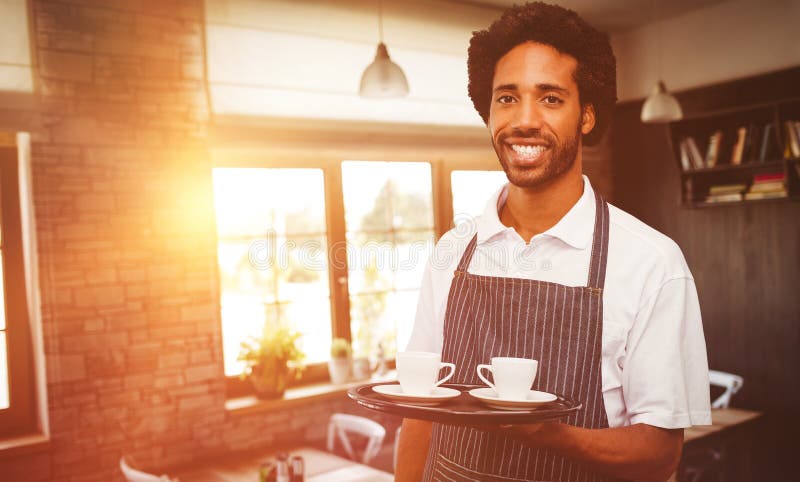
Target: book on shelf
(724, 198)
(738, 147)
(690, 154)
(686, 164)
(765, 195)
(769, 177)
(767, 150)
(750, 140)
(767, 186)
(792, 145)
(712, 152)
(727, 189)
(694, 153)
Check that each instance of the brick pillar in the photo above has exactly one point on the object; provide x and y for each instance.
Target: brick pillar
(122, 192)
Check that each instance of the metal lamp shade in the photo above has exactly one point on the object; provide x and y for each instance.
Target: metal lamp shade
(383, 78)
(660, 106)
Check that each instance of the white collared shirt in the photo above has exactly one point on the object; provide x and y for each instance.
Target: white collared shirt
(654, 364)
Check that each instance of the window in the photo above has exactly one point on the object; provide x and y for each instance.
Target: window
(390, 232)
(272, 257)
(331, 248)
(17, 390)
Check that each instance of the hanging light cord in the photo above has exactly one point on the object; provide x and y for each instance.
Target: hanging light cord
(658, 39)
(380, 21)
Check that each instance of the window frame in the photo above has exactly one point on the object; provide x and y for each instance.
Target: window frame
(21, 415)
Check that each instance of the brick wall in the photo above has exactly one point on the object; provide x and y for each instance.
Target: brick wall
(122, 192)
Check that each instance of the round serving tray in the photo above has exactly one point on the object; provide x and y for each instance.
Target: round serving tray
(464, 409)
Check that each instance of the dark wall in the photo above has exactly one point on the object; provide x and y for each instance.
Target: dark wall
(745, 259)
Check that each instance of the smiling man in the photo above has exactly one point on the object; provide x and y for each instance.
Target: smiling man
(550, 271)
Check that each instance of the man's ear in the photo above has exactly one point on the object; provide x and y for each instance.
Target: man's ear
(587, 119)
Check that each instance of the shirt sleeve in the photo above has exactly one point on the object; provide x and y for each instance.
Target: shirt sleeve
(665, 373)
(423, 334)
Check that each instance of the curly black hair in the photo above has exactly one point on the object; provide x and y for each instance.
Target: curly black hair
(563, 30)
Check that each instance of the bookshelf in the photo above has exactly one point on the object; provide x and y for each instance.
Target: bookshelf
(753, 161)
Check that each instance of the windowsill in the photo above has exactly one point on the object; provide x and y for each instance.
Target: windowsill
(299, 396)
(24, 444)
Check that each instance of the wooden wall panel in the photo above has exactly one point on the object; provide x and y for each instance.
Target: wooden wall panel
(745, 260)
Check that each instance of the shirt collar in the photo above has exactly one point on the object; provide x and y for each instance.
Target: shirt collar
(575, 228)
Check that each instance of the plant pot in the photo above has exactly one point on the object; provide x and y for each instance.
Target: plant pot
(339, 370)
(361, 368)
(269, 380)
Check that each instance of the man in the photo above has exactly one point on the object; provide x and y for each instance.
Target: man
(550, 271)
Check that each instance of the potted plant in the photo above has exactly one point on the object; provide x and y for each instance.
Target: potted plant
(270, 358)
(339, 364)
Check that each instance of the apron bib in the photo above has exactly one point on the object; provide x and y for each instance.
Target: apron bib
(560, 326)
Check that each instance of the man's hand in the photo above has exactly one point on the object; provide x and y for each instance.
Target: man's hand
(412, 450)
(638, 452)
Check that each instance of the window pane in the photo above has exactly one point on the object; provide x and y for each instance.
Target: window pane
(370, 323)
(312, 318)
(248, 268)
(3, 372)
(272, 251)
(369, 262)
(376, 262)
(412, 196)
(412, 252)
(379, 196)
(255, 201)
(471, 190)
(302, 268)
(385, 318)
(389, 216)
(363, 186)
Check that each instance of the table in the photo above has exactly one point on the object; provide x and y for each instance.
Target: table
(725, 421)
(320, 466)
(731, 428)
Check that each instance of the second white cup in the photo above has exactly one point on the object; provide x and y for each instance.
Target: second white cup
(513, 377)
(418, 371)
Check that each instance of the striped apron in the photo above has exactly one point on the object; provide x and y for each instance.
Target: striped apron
(561, 326)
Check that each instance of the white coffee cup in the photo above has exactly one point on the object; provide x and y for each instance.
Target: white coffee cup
(513, 377)
(418, 371)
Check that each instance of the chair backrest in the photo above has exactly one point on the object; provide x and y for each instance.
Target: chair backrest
(396, 446)
(732, 383)
(341, 424)
(133, 475)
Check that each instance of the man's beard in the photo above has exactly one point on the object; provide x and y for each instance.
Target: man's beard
(560, 158)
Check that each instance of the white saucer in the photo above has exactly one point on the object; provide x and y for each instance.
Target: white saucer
(534, 399)
(394, 392)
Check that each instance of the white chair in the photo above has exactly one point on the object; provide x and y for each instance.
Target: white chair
(341, 424)
(712, 462)
(732, 383)
(133, 475)
(396, 446)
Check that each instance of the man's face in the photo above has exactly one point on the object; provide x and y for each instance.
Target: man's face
(535, 118)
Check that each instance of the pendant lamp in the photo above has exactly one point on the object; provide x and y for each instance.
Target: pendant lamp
(660, 106)
(383, 78)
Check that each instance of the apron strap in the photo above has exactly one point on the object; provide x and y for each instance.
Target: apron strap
(597, 264)
(467, 256)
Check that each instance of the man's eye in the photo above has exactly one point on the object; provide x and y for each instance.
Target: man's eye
(505, 99)
(552, 99)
